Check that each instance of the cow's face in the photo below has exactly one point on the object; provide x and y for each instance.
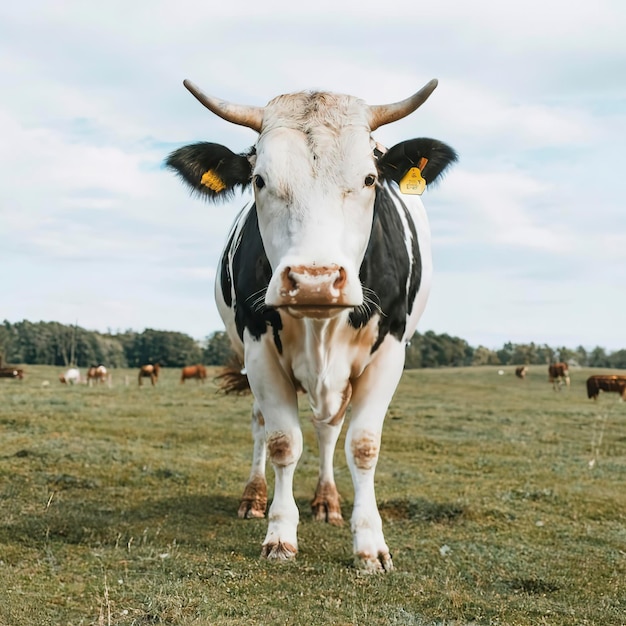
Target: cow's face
(314, 179)
(315, 176)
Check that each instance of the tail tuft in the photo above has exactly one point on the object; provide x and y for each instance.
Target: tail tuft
(233, 379)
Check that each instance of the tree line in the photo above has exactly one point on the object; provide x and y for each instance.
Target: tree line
(52, 343)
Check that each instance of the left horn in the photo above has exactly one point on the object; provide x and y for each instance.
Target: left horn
(249, 116)
(382, 114)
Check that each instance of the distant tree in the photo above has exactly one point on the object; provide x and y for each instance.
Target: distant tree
(110, 351)
(582, 357)
(505, 354)
(598, 358)
(7, 341)
(523, 354)
(413, 356)
(433, 350)
(218, 350)
(566, 354)
(485, 356)
(52, 343)
(545, 355)
(168, 348)
(618, 359)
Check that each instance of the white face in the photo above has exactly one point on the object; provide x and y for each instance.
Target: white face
(314, 186)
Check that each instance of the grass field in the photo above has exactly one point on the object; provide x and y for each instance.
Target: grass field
(503, 502)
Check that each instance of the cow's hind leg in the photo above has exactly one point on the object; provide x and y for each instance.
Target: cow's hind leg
(254, 499)
(325, 505)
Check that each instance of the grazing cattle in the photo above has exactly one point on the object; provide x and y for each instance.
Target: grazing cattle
(193, 371)
(98, 374)
(321, 285)
(558, 373)
(598, 383)
(150, 371)
(71, 377)
(520, 371)
(11, 372)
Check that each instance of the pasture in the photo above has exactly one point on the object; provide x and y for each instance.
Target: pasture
(503, 502)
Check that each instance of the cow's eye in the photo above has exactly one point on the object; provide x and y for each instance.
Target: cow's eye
(369, 180)
(259, 182)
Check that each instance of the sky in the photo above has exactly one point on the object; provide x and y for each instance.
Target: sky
(528, 229)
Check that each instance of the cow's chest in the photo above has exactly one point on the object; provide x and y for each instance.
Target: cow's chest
(323, 359)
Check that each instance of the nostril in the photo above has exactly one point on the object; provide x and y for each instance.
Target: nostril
(340, 281)
(289, 280)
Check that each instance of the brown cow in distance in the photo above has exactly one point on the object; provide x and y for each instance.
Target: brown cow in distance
(193, 371)
(98, 374)
(150, 371)
(598, 383)
(558, 374)
(11, 372)
(520, 371)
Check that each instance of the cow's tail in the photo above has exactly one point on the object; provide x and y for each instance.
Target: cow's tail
(233, 379)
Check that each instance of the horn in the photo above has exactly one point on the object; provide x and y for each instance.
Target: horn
(249, 116)
(386, 113)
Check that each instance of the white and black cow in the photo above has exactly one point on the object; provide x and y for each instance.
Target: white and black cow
(322, 283)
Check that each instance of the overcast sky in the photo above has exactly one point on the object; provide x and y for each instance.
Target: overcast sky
(529, 229)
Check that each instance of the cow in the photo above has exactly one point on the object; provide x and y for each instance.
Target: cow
(520, 371)
(98, 374)
(71, 376)
(558, 373)
(11, 372)
(193, 371)
(322, 281)
(150, 371)
(598, 383)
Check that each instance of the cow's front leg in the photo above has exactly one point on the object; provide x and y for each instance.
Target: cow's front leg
(281, 541)
(278, 403)
(372, 393)
(325, 505)
(254, 499)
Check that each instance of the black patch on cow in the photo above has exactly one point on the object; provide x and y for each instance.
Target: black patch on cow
(251, 273)
(397, 161)
(229, 170)
(225, 277)
(384, 272)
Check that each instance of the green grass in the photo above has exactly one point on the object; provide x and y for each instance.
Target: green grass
(503, 503)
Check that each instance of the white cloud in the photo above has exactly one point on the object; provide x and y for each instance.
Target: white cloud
(495, 207)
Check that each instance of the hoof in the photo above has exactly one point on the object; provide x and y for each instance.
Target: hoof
(325, 505)
(367, 564)
(279, 551)
(250, 510)
(254, 500)
(323, 512)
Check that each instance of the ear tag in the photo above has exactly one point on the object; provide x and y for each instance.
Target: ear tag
(211, 180)
(412, 182)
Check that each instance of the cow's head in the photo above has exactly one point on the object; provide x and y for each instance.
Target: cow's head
(315, 171)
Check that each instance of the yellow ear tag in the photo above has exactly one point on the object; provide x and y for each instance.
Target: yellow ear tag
(211, 180)
(412, 182)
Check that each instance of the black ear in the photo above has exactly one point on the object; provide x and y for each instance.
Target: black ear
(211, 169)
(397, 161)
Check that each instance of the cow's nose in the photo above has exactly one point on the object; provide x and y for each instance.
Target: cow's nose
(308, 285)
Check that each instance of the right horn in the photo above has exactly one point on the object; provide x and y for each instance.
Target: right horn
(249, 116)
(381, 114)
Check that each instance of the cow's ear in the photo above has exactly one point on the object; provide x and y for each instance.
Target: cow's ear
(430, 156)
(211, 169)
